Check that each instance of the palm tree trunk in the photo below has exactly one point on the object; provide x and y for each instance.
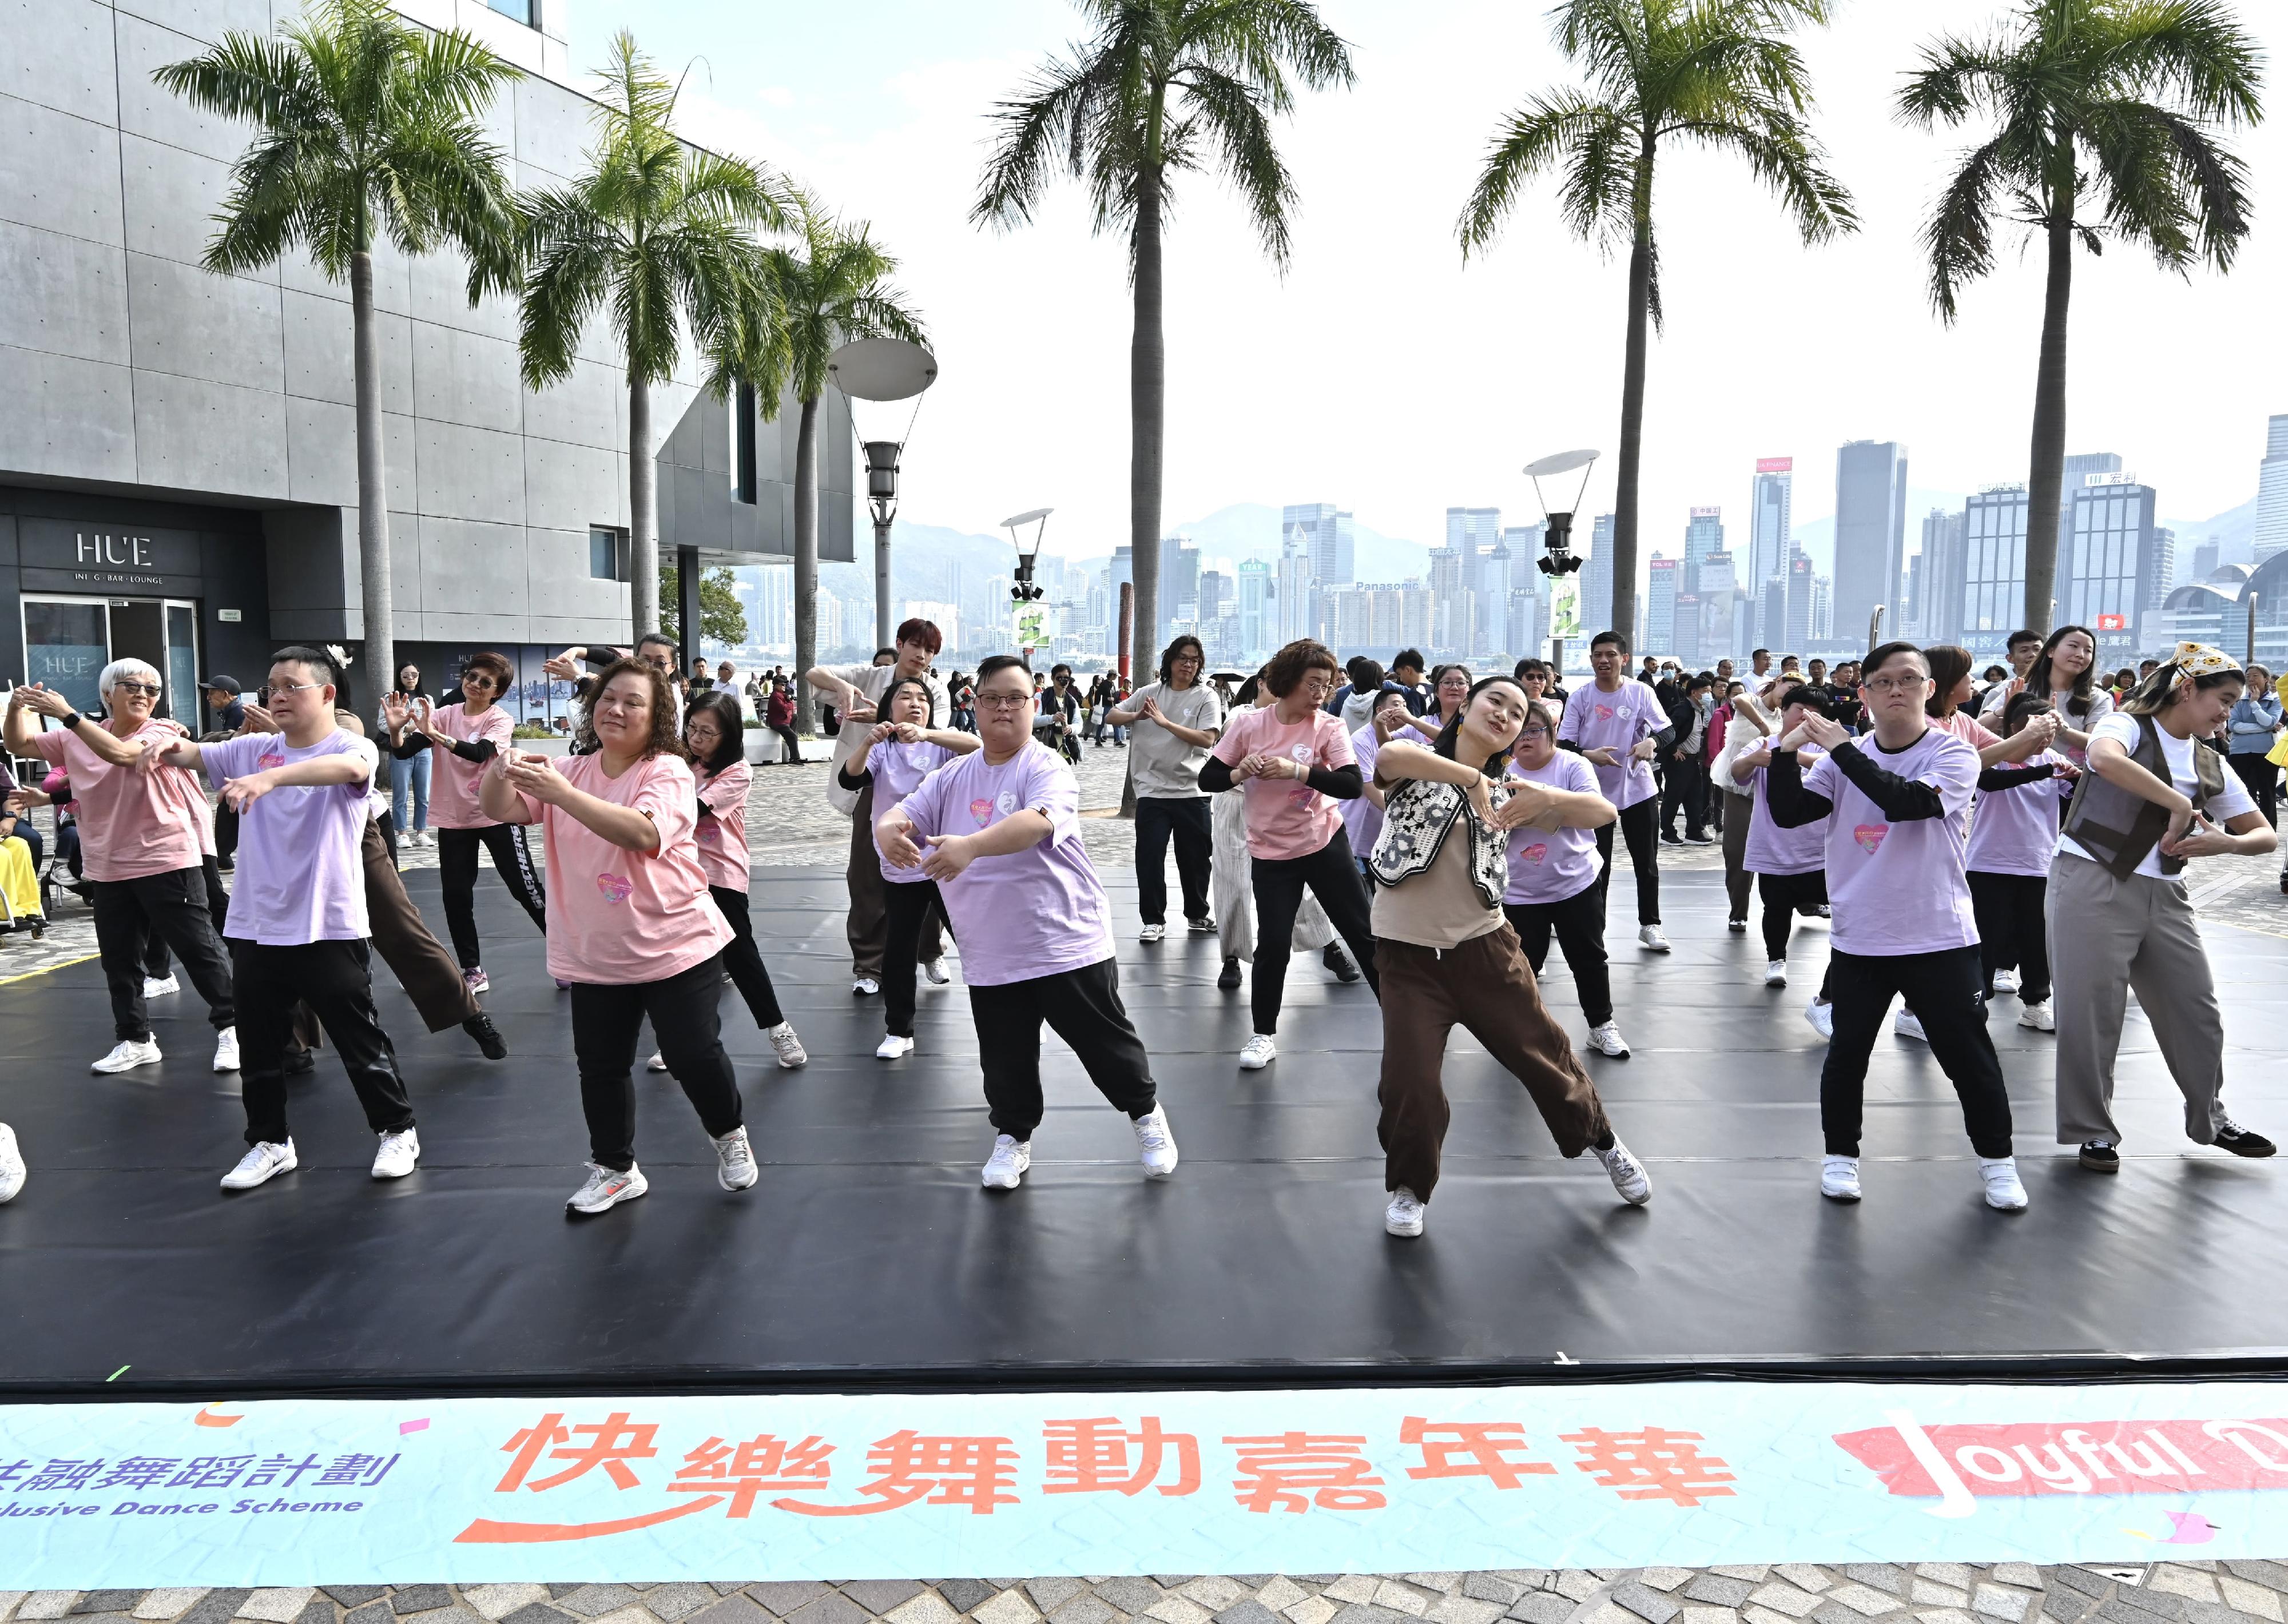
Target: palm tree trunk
(2047, 473)
(1633, 395)
(1147, 406)
(380, 662)
(806, 566)
(643, 511)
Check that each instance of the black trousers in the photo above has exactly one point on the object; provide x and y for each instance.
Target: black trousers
(156, 960)
(1737, 881)
(2014, 930)
(1783, 895)
(1080, 1006)
(909, 908)
(174, 907)
(225, 828)
(1636, 827)
(336, 981)
(1580, 922)
(1278, 884)
(1688, 787)
(1941, 988)
(457, 873)
(1186, 819)
(2263, 780)
(685, 1019)
(744, 960)
(793, 744)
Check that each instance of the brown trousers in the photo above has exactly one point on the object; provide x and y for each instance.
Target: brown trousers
(868, 924)
(1485, 987)
(423, 965)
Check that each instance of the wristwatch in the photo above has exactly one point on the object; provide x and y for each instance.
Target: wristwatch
(70, 719)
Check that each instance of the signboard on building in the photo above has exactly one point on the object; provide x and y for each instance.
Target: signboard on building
(62, 555)
(2113, 622)
(1775, 464)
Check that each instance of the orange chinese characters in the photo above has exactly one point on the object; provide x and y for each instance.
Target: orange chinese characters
(1093, 1457)
(1295, 1469)
(612, 1443)
(1471, 1449)
(976, 1472)
(746, 1470)
(1651, 1464)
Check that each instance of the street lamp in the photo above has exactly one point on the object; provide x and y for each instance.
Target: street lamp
(882, 369)
(1557, 538)
(1031, 623)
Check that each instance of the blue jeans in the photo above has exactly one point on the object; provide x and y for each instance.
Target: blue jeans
(412, 770)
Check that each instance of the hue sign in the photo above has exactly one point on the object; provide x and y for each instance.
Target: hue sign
(73, 556)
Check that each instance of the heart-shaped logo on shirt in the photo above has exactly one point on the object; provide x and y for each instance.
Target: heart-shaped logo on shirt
(981, 810)
(1534, 853)
(267, 760)
(1869, 835)
(615, 889)
(1604, 713)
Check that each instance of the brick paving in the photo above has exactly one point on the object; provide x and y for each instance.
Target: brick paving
(2181, 1592)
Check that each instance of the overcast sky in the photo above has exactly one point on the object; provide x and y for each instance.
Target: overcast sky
(1384, 374)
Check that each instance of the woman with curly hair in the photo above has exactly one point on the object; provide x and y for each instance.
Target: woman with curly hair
(632, 928)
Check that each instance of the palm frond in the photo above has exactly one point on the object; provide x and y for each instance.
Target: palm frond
(1234, 114)
(1600, 142)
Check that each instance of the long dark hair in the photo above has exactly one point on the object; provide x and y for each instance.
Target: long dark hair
(1168, 657)
(730, 722)
(1450, 736)
(2038, 679)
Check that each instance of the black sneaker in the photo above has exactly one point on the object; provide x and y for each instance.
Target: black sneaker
(1229, 982)
(1738, 927)
(481, 1027)
(1339, 962)
(2099, 1156)
(2242, 1142)
(299, 1062)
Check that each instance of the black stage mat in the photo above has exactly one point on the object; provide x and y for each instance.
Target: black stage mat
(869, 1255)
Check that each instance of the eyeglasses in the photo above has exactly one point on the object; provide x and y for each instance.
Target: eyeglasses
(1003, 701)
(1894, 684)
(1532, 732)
(288, 687)
(151, 688)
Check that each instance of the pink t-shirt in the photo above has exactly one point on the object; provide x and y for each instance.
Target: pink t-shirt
(453, 781)
(722, 834)
(899, 770)
(1286, 818)
(1549, 866)
(134, 822)
(617, 917)
(1968, 728)
(1897, 888)
(1028, 914)
(1596, 720)
(1773, 850)
(2015, 831)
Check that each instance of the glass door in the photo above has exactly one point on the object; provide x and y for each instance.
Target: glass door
(66, 644)
(182, 667)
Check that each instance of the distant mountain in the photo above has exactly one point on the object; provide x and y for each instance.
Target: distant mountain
(2234, 531)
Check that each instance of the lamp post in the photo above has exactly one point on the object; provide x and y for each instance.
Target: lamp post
(1031, 628)
(1557, 560)
(882, 370)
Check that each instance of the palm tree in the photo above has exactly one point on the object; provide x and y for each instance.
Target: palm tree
(834, 288)
(1162, 88)
(367, 128)
(663, 235)
(2102, 111)
(1719, 74)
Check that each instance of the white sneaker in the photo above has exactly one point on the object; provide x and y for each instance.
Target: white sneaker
(1156, 1145)
(2038, 1017)
(1607, 1039)
(657, 1062)
(1152, 933)
(2004, 1193)
(260, 1165)
(11, 1165)
(1776, 973)
(787, 1046)
(607, 1189)
(1256, 1053)
(1821, 1014)
(2005, 980)
(1652, 940)
(1406, 1214)
(159, 986)
(893, 1047)
(864, 986)
(1627, 1172)
(734, 1161)
(226, 1050)
(1907, 1024)
(1839, 1178)
(934, 972)
(1007, 1168)
(127, 1056)
(399, 1153)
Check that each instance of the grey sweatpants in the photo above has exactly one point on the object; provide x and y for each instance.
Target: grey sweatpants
(2106, 936)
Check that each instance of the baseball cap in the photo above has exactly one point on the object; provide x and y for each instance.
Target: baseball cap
(222, 685)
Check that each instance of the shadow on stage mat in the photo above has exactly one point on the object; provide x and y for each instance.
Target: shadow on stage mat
(867, 1255)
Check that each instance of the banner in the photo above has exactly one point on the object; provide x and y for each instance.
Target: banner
(1423, 1479)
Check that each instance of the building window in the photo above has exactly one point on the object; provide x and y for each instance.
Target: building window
(520, 10)
(742, 443)
(607, 554)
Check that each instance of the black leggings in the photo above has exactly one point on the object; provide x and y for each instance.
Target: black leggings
(1579, 921)
(1278, 883)
(745, 960)
(1639, 827)
(2263, 780)
(690, 1026)
(1783, 895)
(1943, 989)
(2014, 930)
(457, 872)
(906, 906)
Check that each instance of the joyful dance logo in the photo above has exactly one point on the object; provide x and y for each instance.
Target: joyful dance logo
(615, 888)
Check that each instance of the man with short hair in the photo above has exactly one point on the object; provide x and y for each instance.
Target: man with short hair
(1619, 726)
(222, 699)
(2024, 647)
(1686, 779)
(1759, 668)
(1406, 672)
(702, 679)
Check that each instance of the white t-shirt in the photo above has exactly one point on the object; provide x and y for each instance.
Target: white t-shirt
(2223, 807)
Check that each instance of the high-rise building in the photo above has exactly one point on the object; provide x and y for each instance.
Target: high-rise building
(2272, 493)
(1180, 590)
(1215, 594)
(1467, 529)
(774, 606)
(1771, 615)
(1704, 533)
(1327, 538)
(1771, 540)
(2110, 570)
(2204, 559)
(1993, 568)
(1529, 622)
(1798, 606)
(1297, 617)
(1660, 607)
(1495, 577)
(1721, 605)
(1597, 579)
(1871, 530)
(1259, 609)
(1938, 591)
(1823, 609)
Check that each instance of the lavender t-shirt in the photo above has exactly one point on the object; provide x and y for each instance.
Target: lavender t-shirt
(1595, 719)
(300, 879)
(2015, 831)
(898, 770)
(1028, 914)
(1773, 850)
(1362, 817)
(1897, 888)
(1548, 867)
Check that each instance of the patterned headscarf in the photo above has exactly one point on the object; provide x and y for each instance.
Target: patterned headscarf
(2201, 660)
(2190, 659)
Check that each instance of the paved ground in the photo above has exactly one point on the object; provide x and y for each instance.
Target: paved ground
(2189, 1592)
